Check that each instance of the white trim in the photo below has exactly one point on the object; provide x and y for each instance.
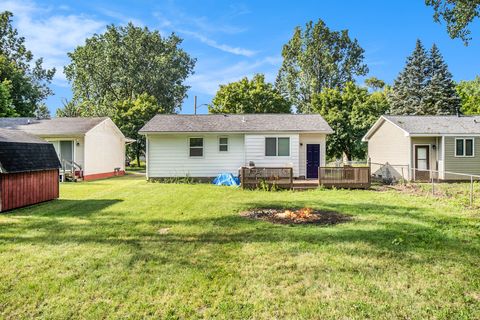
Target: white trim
(464, 147)
(234, 132)
(276, 151)
(147, 160)
(189, 147)
(220, 144)
(415, 156)
(378, 124)
(415, 135)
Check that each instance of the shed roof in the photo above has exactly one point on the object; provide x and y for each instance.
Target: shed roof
(430, 125)
(237, 123)
(21, 152)
(52, 127)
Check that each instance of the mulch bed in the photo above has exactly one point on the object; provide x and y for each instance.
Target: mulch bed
(291, 216)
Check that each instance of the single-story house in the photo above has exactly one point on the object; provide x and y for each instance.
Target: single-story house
(419, 144)
(28, 170)
(93, 148)
(203, 146)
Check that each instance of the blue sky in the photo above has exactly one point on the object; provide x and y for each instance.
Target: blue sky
(233, 39)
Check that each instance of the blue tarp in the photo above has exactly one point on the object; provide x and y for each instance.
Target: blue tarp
(226, 179)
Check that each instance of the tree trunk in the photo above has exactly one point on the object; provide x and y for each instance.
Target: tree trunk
(138, 157)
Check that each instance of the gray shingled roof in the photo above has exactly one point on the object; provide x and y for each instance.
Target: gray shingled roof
(237, 123)
(51, 127)
(21, 152)
(437, 124)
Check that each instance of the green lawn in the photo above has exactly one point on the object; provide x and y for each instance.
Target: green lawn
(125, 248)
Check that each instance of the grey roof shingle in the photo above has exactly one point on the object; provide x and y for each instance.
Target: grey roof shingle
(51, 127)
(237, 123)
(437, 124)
(22, 152)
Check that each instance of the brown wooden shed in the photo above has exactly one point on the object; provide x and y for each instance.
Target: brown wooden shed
(29, 169)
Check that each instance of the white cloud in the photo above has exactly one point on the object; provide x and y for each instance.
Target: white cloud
(208, 79)
(51, 35)
(223, 47)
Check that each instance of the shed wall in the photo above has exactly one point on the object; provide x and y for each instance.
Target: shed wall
(27, 188)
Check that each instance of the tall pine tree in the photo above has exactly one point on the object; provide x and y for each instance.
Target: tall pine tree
(441, 97)
(408, 92)
(425, 86)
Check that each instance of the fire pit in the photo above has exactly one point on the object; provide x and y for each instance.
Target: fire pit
(296, 216)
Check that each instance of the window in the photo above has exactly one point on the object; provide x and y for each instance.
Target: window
(223, 144)
(277, 147)
(464, 147)
(196, 147)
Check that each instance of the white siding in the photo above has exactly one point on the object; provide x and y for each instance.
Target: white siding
(389, 144)
(168, 155)
(255, 151)
(104, 149)
(310, 138)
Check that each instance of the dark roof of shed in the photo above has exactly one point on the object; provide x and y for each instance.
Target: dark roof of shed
(21, 152)
(237, 123)
(52, 127)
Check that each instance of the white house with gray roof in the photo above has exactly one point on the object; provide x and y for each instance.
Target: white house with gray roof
(419, 144)
(91, 148)
(206, 145)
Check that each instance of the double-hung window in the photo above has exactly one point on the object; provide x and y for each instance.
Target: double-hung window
(277, 147)
(223, 144)
(464, 147)
(196, 147)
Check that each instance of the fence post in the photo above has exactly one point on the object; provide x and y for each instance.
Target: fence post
(291, 178)
(471, 191)
(433, 184)
(242, 177)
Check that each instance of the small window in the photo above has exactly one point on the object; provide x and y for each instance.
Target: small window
(270, 147)
(277, 147)
(223, 144)
(464, 147)
(196, 147)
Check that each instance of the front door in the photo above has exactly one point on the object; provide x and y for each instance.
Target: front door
(313, 160)
(422, 162)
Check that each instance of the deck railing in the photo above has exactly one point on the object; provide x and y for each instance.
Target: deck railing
(252, 177)
(344, 177)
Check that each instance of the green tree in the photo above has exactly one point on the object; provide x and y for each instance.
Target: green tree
(124, 63)
(69, 109)
(315, 59)
(458, 14)
(408, 92)
(131, 115)
(42, 112)
(469, 93)
(374, 83)
(350, 113)
(6, 107)
(440, 95)
(29, 80)
(245, 96)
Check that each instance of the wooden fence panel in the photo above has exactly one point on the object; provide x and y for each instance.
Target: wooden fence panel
(251, 177)
(26, 188)
(344, 177)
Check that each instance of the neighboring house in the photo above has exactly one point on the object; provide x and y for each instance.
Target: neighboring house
(93, 147)
(28, 170)
(206, 145)
(421, 143)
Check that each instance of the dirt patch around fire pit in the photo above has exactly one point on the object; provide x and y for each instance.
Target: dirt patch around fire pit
(296, 216)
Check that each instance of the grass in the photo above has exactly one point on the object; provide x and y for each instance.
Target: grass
(125, 248)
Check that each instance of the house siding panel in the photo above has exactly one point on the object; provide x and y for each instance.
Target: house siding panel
(466, 165)
(255, 151)
(389, 144)
(168, 155)
(104, 149)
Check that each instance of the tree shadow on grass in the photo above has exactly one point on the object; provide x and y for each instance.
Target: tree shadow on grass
(383, 228)
(64, 208)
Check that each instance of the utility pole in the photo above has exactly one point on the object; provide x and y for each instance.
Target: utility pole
(194, 104)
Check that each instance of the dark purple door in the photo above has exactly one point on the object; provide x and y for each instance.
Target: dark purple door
(313, 160)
